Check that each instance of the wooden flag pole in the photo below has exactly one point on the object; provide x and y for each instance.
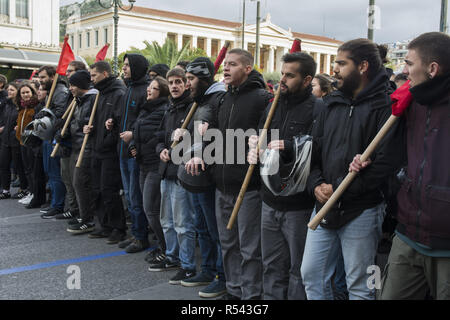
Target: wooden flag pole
(71, 109)
(248, 176)
(68, 109)
(351, 175)
(52, 91)
(86, 136)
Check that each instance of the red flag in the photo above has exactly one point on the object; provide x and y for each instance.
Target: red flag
(401, 99)
(102, 53)
(32, 74)
(221, 56)
(296, 46)
(65, 58)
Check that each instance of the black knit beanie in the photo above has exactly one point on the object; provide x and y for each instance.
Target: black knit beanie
(81, 79)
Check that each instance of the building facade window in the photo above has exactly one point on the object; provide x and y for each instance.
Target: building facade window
(22, 8)
(96, 37)
(105, 35)
(71, 41)
(4, 11)
(88, 39)
(79, 41)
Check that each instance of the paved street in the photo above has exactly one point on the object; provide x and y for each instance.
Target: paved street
(35, 255)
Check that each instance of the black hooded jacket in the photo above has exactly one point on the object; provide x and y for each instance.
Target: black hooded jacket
(173, 119)
(10, 121)
(135, 97)
(242, 109)
(345, 128)
(145, 138)
(294, 116)
(112, 92)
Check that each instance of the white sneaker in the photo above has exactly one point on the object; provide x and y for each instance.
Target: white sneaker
(26, 200)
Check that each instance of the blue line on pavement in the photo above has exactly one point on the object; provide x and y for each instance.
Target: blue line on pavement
(62, 262)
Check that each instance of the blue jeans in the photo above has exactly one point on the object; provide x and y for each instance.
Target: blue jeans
(129, 170)
(177, 221)
(53, 169)
(208, 235)
(358, 240)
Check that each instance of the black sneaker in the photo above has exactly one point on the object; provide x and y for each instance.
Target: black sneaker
(50, 214)
(200, 279)
(74, 221)
(99, 234)
(20, 194)
(153, 254)
(116, 236)
(125, 243)
(214, 289)
(65, 215)
(162, 265)
(80, 228)
(5, 195)
(45, 210)
(182, 275)
(137, 246)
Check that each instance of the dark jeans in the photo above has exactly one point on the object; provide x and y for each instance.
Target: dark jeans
(150, 183)
(27, 163)
(129, 169)
(106, 186)
(208, 236)
(8, 154)
(38, 188)
(53, 169)
(83, 186)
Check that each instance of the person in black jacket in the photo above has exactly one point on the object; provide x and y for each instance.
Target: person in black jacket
(352, 118)
(72, 212)
(10, 147)
(177, 216)
(80, 83)
(200, 184)
(241, 110)
(143, 148)
(52, 166)
(105, 160)
(284, 218)
(137, 80)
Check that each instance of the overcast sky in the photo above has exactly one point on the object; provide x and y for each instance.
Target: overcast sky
(342, 20)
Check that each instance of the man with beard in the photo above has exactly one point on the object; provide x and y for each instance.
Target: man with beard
(284, 218)
(419, 261)
(241, 110)
(352, 118)
(105, 160)
(52, 165)
(199, 182)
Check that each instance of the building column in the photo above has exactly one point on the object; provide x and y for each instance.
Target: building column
(271, 59)
(281, 51)
(179, 41)
(328, 64)
(245, 45)
(194, 42)
(318, 62)
(12, 11)
(221, 44)
(208, 47)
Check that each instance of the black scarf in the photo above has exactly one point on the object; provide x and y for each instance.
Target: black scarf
(431, 91)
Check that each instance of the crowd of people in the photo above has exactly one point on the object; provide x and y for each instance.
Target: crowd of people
(105, 147)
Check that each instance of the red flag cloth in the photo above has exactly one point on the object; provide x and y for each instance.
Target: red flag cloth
(401, 99)
(221, 57)
(102, 53)
(32, 74)
(65, 58)
(296, 46)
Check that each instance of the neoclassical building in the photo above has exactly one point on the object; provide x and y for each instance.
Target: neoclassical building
(91, 32)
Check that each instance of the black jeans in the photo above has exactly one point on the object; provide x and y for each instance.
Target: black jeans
(150, 183)
(106, 187)
(8, 154)
(39, 181)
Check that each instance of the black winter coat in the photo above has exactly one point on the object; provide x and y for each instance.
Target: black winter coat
(112, 93)
(10, 121)
(242, 108)
(145, 138)
(345, 129)
(294, 116)
(135, 97)
(173, 119)
(59, 101)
